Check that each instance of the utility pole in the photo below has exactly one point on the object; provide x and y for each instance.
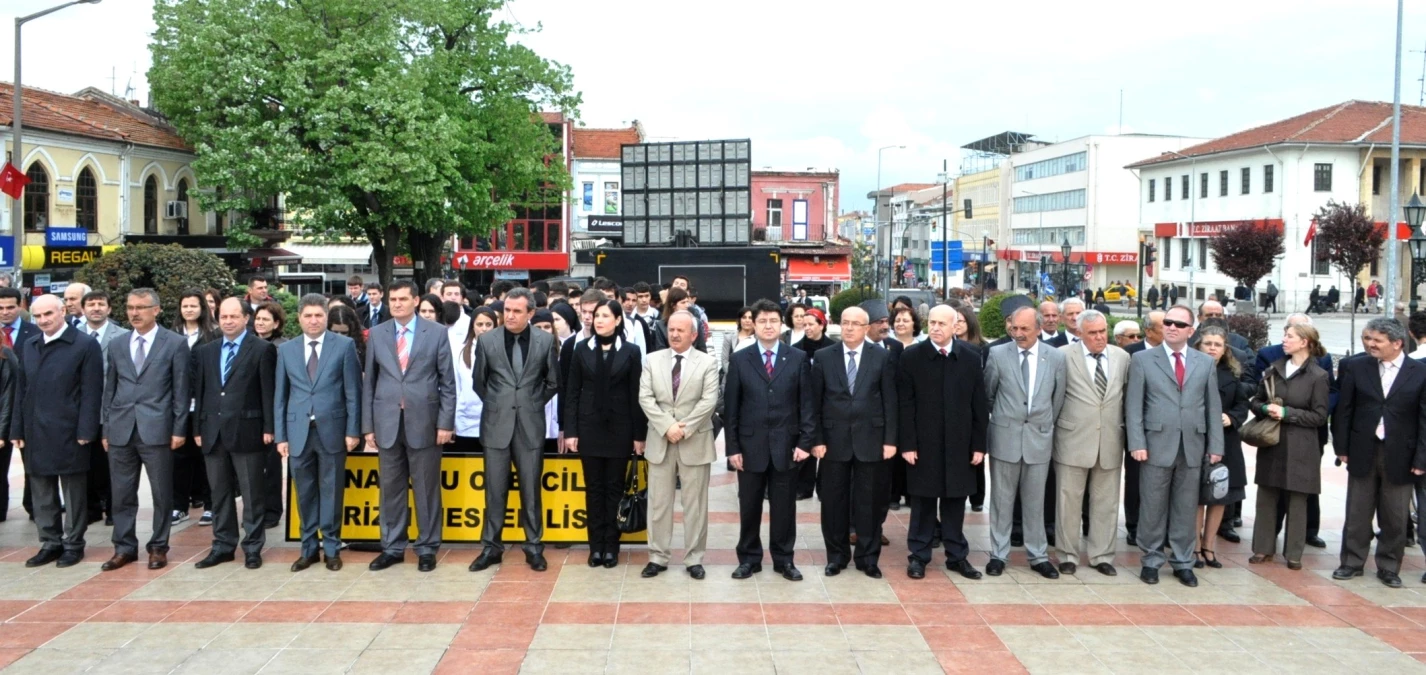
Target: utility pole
(945, 231)
(1393, 247)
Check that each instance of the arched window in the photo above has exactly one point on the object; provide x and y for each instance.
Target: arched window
(37, 199)
(86, 201)
(183, 199)
(151, 206)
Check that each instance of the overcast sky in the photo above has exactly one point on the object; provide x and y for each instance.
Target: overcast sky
(825, 84)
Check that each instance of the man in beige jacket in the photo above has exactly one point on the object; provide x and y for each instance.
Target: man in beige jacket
(678, 392)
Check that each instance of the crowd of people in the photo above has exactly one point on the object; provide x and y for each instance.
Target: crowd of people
(904, 403)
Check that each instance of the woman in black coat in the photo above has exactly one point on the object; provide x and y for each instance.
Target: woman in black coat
(1213, 341)
(604, 424)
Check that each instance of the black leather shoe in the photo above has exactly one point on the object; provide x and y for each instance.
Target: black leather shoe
(1149, 576)
(485, 560)
(426, 563)
(1046, 570)
(70, 559)
(1187, 578)
(334, 563)
(1423, 578)
(832, 569)
(917, 569)
(1344, 573)
(803, 496)
(1050, 537)
(872, 571)
(652, 570)
(384, 561)
(936, 540)
(1316, 542)
(1237, 522)
(611, 560)
(977, 508)
(44, 557)
(1229, 534)
(963, 567)
(1067, 568)
(696, 571)
(1106, 569)
(303, 562)
(995, 567)
(214, 559)
(1132, 539)
(1017, 539)
(788, 572)
(746, 570)
(1389, 579)
(536, 561)
(253, 561)
(596, 559)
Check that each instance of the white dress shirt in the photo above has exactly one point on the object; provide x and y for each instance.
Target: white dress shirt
(1389, 371)
(1169, 350)
(148, 342)
(1034, 366)
(1091, 363)
(307, 347)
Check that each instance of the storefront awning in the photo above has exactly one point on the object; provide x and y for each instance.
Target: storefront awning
(836, 269)
(272, 256)
(332, 254)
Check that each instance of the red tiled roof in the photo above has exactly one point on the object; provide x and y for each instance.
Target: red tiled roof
(910, 187)
(552, 117)
(90, 114)
(1359, 122)
(603, 143)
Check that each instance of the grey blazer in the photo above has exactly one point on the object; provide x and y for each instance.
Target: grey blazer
(1090, 431)
(1017, 434)
(427, 390)
(110, 332)
(1161, 419)
(333, 400)
(515, 399)
(149, 406)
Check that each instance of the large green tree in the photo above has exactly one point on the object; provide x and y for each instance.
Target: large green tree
(401, 122)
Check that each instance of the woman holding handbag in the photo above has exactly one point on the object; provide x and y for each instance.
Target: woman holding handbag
(604, 424)
(1294, 393)
(1213, 341)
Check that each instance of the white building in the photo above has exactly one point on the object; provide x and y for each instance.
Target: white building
(1279, 174)
(1076, 191)
(595, 195)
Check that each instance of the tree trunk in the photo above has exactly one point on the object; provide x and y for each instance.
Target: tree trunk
(426, 254)
(384, 244)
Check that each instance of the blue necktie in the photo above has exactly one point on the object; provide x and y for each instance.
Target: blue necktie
(229, 349)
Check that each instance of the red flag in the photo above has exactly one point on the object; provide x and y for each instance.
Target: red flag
(1311, 234)
(13, 181)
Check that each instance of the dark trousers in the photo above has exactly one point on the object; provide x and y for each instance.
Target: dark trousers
(228, 473)
(924, 512)
(1278, 505)
(320, 480)
(1314, 514)
(98, 499)
(7, 452)
(853, 495)
(1375, 495)
(125, 462)
(897, 478)
(529, 464)
(1131, 494)
(190, 477)
(782, 506)
(463, 444)
(60, 528)
(603, 487)
(411, 471)
(978, 498)
(271, 485)
(807, 476)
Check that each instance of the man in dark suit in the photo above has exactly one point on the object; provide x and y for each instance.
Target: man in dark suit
(1377, 431)
(232, 390)
(854, 418)
(57, 416)
(145, 418)
(14, 331)
(408, 413)
(375, 312)
(317, 410)
(769, 427)
(98, 326)
(1050, 333)
(879, 333)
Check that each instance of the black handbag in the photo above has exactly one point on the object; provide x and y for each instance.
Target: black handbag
(1214, 489)
(633, 513)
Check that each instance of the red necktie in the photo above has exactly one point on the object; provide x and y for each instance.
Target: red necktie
(1178, 368)
(768, 356)
(10, 343)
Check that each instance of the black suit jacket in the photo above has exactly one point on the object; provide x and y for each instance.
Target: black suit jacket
(858, 422)
(944, 416)
(27, 330)
(602, 435)
(383, 315)
(767, 416)
(1361, 404)
(1060, 340)
(1136, 347)
(239, 413)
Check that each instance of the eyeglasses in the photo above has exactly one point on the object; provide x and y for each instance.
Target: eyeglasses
(1170, 323)
(1131, 336)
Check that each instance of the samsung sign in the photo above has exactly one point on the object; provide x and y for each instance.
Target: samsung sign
(66, 237)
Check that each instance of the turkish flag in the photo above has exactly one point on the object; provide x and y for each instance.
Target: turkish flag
(13, 181)
(1311, 234)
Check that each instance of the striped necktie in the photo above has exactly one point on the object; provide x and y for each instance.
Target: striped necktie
(1101, 381)
(230, 349)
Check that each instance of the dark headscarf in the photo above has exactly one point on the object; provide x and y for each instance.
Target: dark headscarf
(570, 316)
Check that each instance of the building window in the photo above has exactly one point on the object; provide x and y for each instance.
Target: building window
(183, 199)
(1168, 189)
(86, 201)
(1185, 253)
(1151, 188)
(1167, 257)
(37, 199)
(1376, 178)
(1320, 267)
(1246, 180)
(587, 199)
(1267, 178)
(1184, 191)
(1322, 177)
(1223, 183)
(1203, 186)
(151, 206)
(774, 213)
(1054, 201)
(1202, 254)
(1052, 167)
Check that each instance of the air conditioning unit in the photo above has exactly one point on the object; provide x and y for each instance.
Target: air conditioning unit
(175, 210)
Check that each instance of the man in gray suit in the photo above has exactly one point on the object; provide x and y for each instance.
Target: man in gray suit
(1025, 384)
(145, 418)
(1173, 417)
(409, 381)
(318, 413)
(516, 374)
(98, 326)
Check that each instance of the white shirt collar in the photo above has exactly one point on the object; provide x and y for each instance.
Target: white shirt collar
(1034, 349)
(860, 349)
(1420, 352)
(1398, 361)
(148, 337)
(321, 340)
(51, 338)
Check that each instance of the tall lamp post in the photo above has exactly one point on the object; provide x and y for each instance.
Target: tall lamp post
(16, 158)
(877, 218)
(1415, 213)
(1065, 250)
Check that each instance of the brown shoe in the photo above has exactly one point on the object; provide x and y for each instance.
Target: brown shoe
(119, 560)
(158, 560)
(334, 562)
(1294, 565)
(1260, 559)
(303, 562)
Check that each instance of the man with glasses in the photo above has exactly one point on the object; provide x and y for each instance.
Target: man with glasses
(145, 418)
(1173, 417)
(1126, 333)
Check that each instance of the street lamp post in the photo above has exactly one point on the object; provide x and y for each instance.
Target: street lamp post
(1192, 217)
(15, 156)
(1415, 213)
(1065, 250)
(877, 217)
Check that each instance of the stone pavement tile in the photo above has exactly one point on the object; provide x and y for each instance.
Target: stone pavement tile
(652, 662)
(301, 661)
(721, 662)
(480, 662)
(34, 589)
(789, 591)
(99, 589)
(838, 591)
(1410, 640)
(580, 612)
(1132, 663)
(524, 614)
(386, 661)
(1391, 597)
(1211, 659)
(1015, 615)
(50, 661)
(653, 612)
(241, 636)
(595, 638)
(475, 636)
(1371, 617)
(996, 594)
(10, 608)
(98, 636)
(364, 590)
(1062, 663)
(1192, 638)
(815, 663)
(929, 590)
(1416, 615)
(887, 638)
(1230, 615)
(1313, 661)
(1138, 594)
(9, 656)
(565, 661)
(799, 613)
(1158, 615)
(236, 589)
(1022, 639)
(721, 589)
(1379, 662)
(807, 638)
(1261, 638)
(167, 589)
(140, 611)
(1068, 594)
(143, 661)
(1297, 615)
(297, 591)
(413, 636)
(1087, 615)
(62, 611)
(192, 636)
(445, 591)
(722, 637)
(518, 591)
(978, 663)
(1342, 640)
(724, 613)
(226, 611)
(1101, 639)
(1203, 595)
(871, 614)
(285, 611)
(943, 615)
(902, 663)
(961, 639)
(358, 612)
(587, 591)
(652, 637)
(29, 635)
(357, 636)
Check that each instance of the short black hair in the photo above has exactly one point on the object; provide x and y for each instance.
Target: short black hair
(606, 285)
(12, 293)
(765, 306)
(452, 282)
(257, 276)
(355, 280)
(541, 299)
(676, 277)
(1417, 325)
(373, 286)
(641, 287)
(541, 287)
(791, 307)
(94, 295)
(501, 287)
(557, 288)
(410, 287)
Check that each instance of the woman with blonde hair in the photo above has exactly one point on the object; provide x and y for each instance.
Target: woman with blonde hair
(1213, 341)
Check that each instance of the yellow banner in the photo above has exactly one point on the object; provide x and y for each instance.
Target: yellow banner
(463, 500)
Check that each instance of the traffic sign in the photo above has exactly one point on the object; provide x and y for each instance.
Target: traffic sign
(7, 253)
